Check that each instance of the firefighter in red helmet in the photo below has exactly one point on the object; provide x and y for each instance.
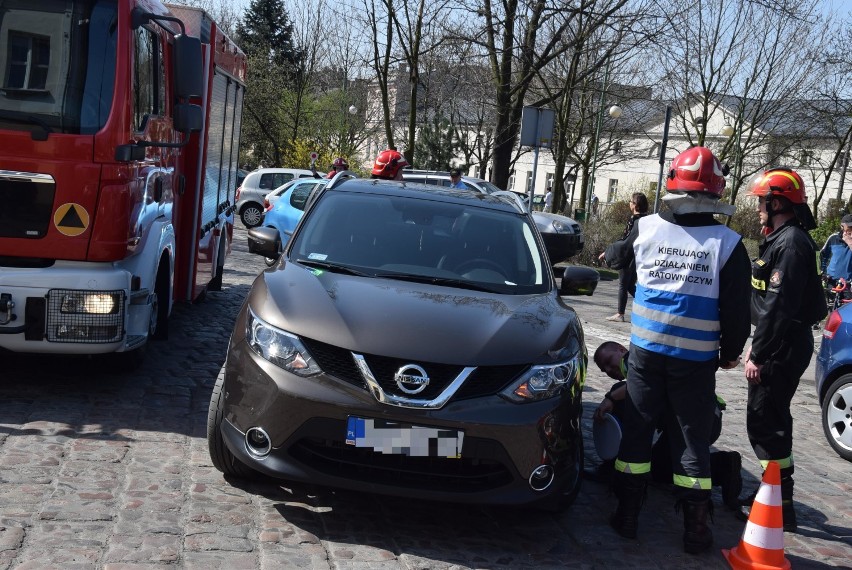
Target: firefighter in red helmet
(389, 164)
(339, 165)
(691, 291)
(786, 300)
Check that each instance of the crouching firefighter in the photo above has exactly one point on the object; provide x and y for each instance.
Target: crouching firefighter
(692, 285)
(786, 300)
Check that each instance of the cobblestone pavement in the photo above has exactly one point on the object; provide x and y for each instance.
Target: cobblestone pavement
(103, 469)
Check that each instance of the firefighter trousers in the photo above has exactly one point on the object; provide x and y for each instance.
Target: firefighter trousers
(768, 419)
(682, 393)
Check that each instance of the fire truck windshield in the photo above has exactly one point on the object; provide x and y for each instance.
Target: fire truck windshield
(57, 64)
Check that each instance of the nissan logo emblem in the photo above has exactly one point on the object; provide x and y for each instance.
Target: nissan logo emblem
(411, 379)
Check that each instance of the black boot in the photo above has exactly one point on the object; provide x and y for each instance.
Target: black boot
(630, 491)
(726, 469)
(697, 536)
(788, 512)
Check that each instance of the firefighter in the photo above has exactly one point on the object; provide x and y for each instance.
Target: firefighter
(692, 276)
(339, 165)
(389, 164)
(786, 299)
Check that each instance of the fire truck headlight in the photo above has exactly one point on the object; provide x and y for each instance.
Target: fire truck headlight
(81, 302)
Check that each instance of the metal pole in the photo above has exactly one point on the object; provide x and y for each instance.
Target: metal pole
(844, 162)
(662, 157)
(591, 182)
(535, 158)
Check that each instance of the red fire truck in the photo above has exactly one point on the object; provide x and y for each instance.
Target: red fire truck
(119, 140)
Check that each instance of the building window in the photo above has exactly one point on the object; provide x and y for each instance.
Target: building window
(528, 183)
(616, 147)
(548, 182)
(28, 61)
(512, 181)
(613, 190)
(806, 157)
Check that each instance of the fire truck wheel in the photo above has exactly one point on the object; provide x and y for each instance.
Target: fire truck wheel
(159, 326)
(252, 215)
(220, 455)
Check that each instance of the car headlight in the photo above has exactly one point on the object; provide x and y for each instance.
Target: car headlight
(279, 347)
(558, 226)
(547, 381)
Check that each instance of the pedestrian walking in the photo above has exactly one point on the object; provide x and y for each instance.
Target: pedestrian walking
(626, 283)
(691, 292)
(786, 300)
(548, 201)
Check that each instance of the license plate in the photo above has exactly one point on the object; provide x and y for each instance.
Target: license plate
(394, 438)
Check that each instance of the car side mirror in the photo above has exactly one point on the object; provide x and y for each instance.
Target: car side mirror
(579, 281)
(263, 241)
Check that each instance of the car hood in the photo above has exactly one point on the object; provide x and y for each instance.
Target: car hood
(416, 321)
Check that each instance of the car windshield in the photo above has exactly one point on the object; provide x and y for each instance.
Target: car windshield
(423, 240)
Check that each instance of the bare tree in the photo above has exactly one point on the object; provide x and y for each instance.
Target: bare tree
(715, 59)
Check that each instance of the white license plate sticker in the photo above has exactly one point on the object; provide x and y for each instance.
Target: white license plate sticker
(393, 438)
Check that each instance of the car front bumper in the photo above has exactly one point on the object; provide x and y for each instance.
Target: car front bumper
(306, 420)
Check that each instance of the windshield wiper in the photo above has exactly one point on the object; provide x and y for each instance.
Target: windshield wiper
(460, 283)
(29, 120)
(333, 267)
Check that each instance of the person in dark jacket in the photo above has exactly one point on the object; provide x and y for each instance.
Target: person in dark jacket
(691, 292)
(638, 208)
(725, 466)
(786, 299)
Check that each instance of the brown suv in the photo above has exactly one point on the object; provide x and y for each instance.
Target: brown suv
(410, 341)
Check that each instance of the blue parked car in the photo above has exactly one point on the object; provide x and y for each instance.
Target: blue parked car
(286, 206)
(834, 380)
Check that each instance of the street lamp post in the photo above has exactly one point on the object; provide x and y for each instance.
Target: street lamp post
(728, 130)
(663, 145)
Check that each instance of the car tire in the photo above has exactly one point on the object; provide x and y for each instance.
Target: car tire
(220, 455)
(159, 327)
(251, 215)
(837, 416)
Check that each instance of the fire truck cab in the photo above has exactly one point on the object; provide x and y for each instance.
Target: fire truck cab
(119, 140)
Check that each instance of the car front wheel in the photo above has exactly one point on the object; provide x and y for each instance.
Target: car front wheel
(220, 455)
(837, 416)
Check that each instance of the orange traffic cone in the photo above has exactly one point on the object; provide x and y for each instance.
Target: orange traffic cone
(762, 544)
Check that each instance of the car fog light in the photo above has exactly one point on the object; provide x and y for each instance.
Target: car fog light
(541, 477)
(257, 442)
